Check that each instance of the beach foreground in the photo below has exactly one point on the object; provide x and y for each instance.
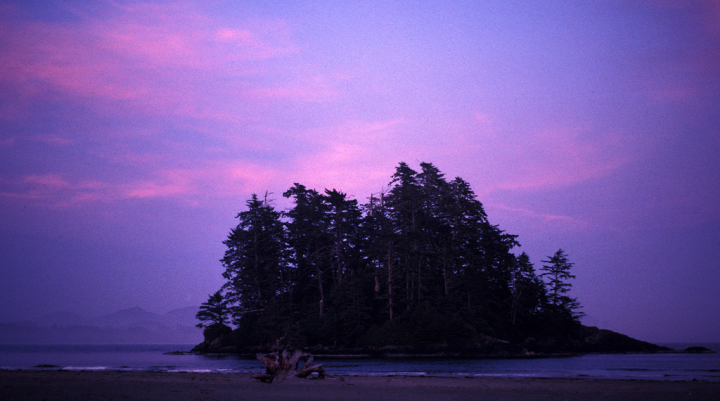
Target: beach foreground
(112, 385)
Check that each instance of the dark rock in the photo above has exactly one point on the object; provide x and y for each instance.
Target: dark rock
(697, 350)
(215, 336)
(606, 341)
(577, 339)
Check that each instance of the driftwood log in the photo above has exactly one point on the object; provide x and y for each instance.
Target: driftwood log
(280, 366)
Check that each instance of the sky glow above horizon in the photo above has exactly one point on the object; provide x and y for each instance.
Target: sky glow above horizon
(132, 133)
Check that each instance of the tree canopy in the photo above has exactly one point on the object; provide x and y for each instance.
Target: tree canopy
(417, 264)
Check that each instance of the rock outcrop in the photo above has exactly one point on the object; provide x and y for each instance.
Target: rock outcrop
(215, 340)
(581, 340)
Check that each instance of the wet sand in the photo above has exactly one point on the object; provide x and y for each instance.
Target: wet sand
(111, 385)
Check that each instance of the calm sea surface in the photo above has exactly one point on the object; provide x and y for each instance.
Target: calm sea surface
(153, 358)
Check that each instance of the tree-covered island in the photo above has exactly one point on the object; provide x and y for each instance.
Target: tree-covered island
(418, 269)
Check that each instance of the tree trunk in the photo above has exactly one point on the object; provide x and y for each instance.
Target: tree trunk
(320, 284)
(390, 285)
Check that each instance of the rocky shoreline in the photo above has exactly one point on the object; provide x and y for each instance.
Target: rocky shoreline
(586, 340)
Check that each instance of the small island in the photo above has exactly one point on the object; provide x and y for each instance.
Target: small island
(416, 270)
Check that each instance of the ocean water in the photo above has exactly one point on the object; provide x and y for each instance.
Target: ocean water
(154, 358)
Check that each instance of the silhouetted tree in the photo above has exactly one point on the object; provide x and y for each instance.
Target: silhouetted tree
(256, 261)
(528, 296)
(214, 311)
(380, 252)
(404, 208)
(419, 263)
(557, 271)
(309, 242)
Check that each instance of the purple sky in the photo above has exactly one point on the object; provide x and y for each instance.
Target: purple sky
(131, 134)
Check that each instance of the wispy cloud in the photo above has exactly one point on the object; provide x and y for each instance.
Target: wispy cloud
(199, 186)
(542, 158)
(53, 190)
(535, 220)
(157, 59)
(560, 156)
(354, 156)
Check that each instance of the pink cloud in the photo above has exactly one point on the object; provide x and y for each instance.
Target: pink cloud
(159, 59)
(239, 177)
(205, 183)
(550, 157)
(355, 157)
(153, 190)
(53, 190)
(558, 157)
(313, 89)
(48, 180)
(167, 183)
(182, 35)
(533, 218)
(195, 186)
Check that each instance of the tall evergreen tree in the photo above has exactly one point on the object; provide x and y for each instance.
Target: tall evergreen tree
(214, 311)
(256, 263)
(309, 241)
(467, 221)
(528, 294)
(405, 206)
(343, 217)
(433, 235)
(557, 270)
(380, 244)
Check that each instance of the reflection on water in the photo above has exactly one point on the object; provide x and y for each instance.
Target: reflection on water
(153, 358)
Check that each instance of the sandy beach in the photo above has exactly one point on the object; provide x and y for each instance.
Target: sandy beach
(112, 385)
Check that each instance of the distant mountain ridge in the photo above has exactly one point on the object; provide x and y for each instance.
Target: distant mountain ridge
(126, 326)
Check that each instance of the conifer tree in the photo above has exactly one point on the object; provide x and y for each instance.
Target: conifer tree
(404, 206)
(529, 294)
(557, 271)
(214, 311)
(309, 242)
(256, 260)
(343, 217)
(380, 251)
